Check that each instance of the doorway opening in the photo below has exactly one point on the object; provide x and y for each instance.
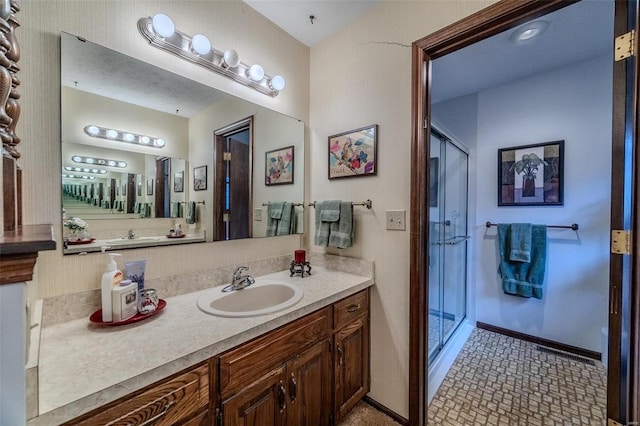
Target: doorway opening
(233, 181)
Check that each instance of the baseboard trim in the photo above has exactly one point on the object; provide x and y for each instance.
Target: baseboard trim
(540, 341)
(395, 416)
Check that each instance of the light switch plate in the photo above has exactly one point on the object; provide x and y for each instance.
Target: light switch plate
(396, 220)
(257, 215)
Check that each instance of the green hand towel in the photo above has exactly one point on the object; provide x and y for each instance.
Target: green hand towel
(520, 242)
(274, 213)
(191, 213)
(522, 278)
(284, 225)
(326, 212)
(341, 232)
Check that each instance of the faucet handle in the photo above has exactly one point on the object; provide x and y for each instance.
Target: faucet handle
(240, 269)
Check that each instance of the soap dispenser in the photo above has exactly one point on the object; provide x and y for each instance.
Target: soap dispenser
(111, 278)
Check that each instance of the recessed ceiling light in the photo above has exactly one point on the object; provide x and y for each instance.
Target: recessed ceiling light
(528, 31)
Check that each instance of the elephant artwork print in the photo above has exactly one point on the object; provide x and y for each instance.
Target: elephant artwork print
(353, 153)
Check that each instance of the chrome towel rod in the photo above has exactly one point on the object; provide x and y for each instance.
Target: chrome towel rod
(367, 204)
(573, 226)
(293, 204)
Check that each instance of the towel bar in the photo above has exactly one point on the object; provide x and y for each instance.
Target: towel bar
(367, 204)
(573, 226)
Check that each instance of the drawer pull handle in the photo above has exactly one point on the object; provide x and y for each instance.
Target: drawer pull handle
(352, 308)
(339, 348)
(293, 389)
(282, 396)
(164, 411)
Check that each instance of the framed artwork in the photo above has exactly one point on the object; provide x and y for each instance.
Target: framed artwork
(279, 166)
(149, 186)
(200, 178)
(531, 175)
(433, 181)
(178, 182)
(354, 153)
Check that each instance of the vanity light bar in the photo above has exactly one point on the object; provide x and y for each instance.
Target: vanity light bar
(99, 161)
(64, 175)
(161, 33)
(85, 170)
(121, 136)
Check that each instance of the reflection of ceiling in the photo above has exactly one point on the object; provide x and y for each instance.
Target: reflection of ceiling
(96, 69)
(576, 33)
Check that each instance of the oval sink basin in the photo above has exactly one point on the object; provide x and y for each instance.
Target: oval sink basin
(137, 240)
(261, 298)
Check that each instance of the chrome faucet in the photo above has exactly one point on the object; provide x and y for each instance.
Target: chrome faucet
(241, 280)
(130, 234)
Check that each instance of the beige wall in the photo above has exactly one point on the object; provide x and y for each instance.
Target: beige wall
(362, 76)
(229, 24)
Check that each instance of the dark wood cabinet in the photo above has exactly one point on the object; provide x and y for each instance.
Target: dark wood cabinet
(351, 359)
(309, 372)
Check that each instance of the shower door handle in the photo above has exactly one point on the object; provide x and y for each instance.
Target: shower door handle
(457, 240)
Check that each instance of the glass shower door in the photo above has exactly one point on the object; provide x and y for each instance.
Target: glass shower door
(447, 241)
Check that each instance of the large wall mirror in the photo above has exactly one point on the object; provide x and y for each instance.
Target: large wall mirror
(146, 149)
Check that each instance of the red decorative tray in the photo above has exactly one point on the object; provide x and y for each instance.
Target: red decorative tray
(176, 236)
(96, 317)
(84, 241)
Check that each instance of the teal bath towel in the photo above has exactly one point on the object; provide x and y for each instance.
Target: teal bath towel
(284, 224)
(191, 213)
(520, 242)
(274, 214)
(341, 232)
(327, 212)
(523, 278)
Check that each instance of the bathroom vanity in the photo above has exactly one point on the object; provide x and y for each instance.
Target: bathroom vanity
(308, 364)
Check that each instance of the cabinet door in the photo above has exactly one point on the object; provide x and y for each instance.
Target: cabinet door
(351, 365)
(262, 403)
(309, 387)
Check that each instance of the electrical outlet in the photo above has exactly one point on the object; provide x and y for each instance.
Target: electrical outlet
(257, 215)
(396, 220)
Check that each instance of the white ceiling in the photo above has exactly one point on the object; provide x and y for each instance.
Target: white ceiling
(293, 16)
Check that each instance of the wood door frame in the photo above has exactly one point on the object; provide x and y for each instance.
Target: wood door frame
(490, 21)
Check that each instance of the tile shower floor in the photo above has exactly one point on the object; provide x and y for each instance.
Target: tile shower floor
(434, 330)
(499, 380)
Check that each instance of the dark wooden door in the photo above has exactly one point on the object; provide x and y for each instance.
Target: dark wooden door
(239, 190)
(112, 194)
(263, 403)
(351, 365)
(161, 199)
(624, 294)
(309, 387)
(131, 192)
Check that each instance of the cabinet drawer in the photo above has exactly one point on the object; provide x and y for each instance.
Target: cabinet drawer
(249, 362)
(165, 403)
(349, 309)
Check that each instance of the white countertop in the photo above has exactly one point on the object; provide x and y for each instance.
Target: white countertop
(83, 366)
(123, 243)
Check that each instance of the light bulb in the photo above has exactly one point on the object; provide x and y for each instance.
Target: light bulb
(159, 142)
(111, 163)
(93, 130)
(230, 59)
(163, 25)
(122, 164)
(77, 159)
(277, 82)
(200, 44)
(144, 139)
(77, 169)
(129, 137)
(112, 133)
(256, 73)
(69, 168)
(89, 161)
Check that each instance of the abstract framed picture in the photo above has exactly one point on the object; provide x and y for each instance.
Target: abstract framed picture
(279, 166)
(354, 153)
(200, 178)
(531, 175)
(178, 181)
(149, 186)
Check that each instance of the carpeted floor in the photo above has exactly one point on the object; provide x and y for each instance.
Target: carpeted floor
(365, 415)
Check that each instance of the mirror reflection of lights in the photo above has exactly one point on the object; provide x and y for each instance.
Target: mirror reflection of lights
(64, 175)
(122, 136)
(92, 160)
